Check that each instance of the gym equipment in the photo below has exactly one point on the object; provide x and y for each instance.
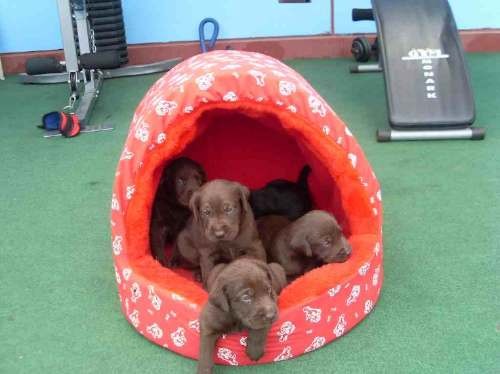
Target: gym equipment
(90, 56)
(427, 84)
(231, 111)
(362, 50)
(204, 45)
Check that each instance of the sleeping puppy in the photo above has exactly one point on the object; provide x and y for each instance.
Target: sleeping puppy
(170, 212)
(242, 295)
(221, 229)
(282, 197)
(312, 240)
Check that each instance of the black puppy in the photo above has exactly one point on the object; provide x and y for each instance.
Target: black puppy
(282, 197)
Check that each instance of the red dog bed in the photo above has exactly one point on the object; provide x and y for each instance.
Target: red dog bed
(249, 118)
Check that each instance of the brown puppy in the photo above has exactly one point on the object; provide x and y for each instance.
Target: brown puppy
(242, 295)
(311, 241)
(180, 179)
(221, 229)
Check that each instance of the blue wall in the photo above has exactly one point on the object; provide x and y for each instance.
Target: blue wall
(32, 25)
(469, 14)
(37, 25)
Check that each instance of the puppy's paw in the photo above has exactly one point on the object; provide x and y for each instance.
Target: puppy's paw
(255, 352)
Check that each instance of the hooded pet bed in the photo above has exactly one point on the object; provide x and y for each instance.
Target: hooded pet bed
(249, 118)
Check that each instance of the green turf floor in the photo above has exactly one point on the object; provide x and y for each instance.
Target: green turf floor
(439, 311)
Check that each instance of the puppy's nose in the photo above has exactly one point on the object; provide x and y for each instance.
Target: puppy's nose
(270, 313)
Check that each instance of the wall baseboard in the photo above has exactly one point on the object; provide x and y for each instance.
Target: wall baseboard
(322, 46)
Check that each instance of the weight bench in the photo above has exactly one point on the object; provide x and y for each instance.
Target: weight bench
(427, 84)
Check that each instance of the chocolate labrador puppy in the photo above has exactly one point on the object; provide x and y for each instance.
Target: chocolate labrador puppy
(242, 295)
(221, 229)
(282, 197)
(311, 241)
(179, 180)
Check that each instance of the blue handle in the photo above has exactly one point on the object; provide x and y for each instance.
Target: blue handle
(201, 31)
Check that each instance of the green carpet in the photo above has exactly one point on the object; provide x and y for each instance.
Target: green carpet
(440, 306)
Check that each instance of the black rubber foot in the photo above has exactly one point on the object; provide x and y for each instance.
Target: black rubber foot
(478, 133)
(383, 135)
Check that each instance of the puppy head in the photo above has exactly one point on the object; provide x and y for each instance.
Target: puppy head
(247, 289)
(221, 208)
(181, 178)
(317, 234)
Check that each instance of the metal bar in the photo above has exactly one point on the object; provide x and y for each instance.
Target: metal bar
(85, 104)
(68, 37)
(365, 68)
(472, 133)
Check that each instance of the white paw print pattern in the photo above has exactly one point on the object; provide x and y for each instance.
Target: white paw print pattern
(317, 106)
(326, 130)
(353, 158)
(126, 155)
(286, 329)
(134, 318)
(376, 249)
(334, 290)
(142, 131)
(353, 297)
(225, 354)
(115, 204)
(292, 108)
(285, 354)
(135, 291)
(376, 274)
(368, 306)
(243, 341)
(154, 298)
(259, 77)
(155, 331)
(165, 107)
(286, 88)
(340, 326)
(205, 81)
(126, 272)
(130, 192)
(312, 314)
(195, 325)
(379, 195)
(188, 109)
(364, 269)
(230, 96)
(178, 337)
(160, 139)
(317, 342)
(117, 245)
(117, 276)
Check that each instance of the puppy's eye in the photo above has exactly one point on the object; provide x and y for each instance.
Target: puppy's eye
(180, 182)
(228, 209)
(326, 242)
(246, 298)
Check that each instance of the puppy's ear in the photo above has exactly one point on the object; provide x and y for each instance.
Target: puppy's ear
(299, 243)
(244, 195)
(194, 205)
(214, 273)
(277, 275)
(218, 297)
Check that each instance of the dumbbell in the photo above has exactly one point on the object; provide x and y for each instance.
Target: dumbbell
(362, 50)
